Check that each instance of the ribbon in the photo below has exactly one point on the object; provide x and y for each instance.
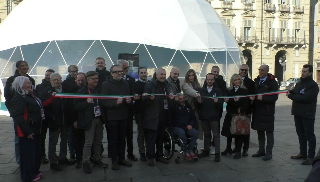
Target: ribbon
(101, 96)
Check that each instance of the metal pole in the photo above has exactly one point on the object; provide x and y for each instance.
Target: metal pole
(261, 37)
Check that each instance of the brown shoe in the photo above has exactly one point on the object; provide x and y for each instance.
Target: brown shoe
(308, 161)
(299, 156)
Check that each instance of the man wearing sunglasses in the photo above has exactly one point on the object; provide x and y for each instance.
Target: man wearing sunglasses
(249, 84)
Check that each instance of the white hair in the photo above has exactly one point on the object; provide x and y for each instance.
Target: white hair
(120, 62)
(18, 84)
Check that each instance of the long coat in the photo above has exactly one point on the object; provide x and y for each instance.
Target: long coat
(232, 108)
(154, 107)
(263, 111)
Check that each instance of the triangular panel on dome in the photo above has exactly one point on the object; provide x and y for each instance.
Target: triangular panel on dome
(161, 56)
(4, 58)
(10, 67)
(145, 59)
(87, 62)
(74, 50)
(114, 48)
(181, 63)
(195, 59)
(50, 59)
(32, 52)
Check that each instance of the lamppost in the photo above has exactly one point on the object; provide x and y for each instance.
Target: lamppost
(283, 62)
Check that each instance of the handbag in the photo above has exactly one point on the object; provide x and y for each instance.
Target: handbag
(240, 124)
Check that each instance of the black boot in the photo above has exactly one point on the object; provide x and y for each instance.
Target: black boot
(237, 155)
(227, 151)
(204, 153)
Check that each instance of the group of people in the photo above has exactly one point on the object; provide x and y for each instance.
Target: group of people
(156, 104)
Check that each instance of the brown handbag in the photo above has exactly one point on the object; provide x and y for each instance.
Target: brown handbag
(240, 124)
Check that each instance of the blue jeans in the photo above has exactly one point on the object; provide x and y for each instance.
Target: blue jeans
(182, 134)
(305, 132)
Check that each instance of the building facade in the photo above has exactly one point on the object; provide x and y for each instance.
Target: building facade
(273, 32)
(6, 6)
(317, 42)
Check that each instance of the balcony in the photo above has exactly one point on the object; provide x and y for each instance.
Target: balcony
(247, 39)
(298, 9)
(226, 4)
(284, 40)
(269, 7)
(248, 6)
(284, 8)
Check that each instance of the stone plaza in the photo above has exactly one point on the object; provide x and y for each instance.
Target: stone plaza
(280, 168)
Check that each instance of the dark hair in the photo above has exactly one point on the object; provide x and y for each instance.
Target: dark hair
(141, 68)
(115, 65)
(98, 58)
(18, 64)
(50, 70)
(72, 66)
(91, 73)
(215, 67)
(210, 74)
(186, 78)
(81, 73)
(308, 66)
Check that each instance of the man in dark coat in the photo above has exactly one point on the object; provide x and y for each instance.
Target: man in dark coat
(174, 81)
(222, 85)
(138, 109)
(155, 115)
(124, 65)
(57, 123)
(102, 71)
(250, 85)
(117, 116)
(209, 114)
(44, 127)
(90, 119)
(304, 103)
(69, 85)
(263, 111)
(22, 68)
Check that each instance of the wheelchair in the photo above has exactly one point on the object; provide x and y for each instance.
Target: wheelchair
(170, 140)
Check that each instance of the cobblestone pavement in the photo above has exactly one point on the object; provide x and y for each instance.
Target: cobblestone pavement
(280, 168)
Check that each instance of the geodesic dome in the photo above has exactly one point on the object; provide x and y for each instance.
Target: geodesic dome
(57, 33)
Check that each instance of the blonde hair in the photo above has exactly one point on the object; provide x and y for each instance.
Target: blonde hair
(18, 84)
(233, 77)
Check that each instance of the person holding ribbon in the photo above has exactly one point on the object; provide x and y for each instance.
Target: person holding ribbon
(90, 119)
(28, 114)
(263, 111)
(156, 115)
(236, 105)
(57, 123)
(117, 115)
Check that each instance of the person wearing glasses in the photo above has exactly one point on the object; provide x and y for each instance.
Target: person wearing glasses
(44, 127)
(304, 103)
(90, 119)
(263, 111)
(101, 69)
(55, 113)
(138, 109)
(250, 85)
(117, 116)
(174, 81)
(69, 85)
(124, 65)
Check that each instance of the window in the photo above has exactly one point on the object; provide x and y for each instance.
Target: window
(227, 21)
(282, 34)
(246, 33)
(296, 2)
(282, 1)
(247, 23)
(267, 1)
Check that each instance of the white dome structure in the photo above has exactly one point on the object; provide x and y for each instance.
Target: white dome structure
(167, 33)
